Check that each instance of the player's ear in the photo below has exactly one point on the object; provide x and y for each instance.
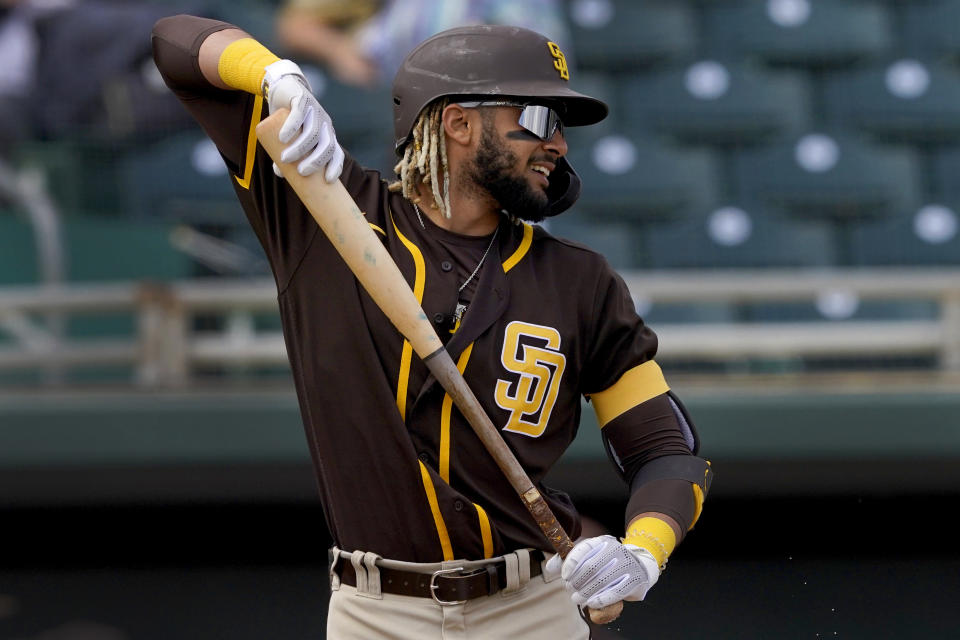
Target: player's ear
(460, 124)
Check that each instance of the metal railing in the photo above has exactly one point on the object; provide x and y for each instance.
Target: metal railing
(165, 348)
(938, 336)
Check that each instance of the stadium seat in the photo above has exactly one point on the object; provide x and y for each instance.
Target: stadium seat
(254, 16)
(615, 240)
(360, 116)
(625, 248)
(617, 35)
(657, 314)
(81, 176)
(712, 102)
(603, 86)
(930, 28)
(926, 236)
(903, 99)
(629, 176)
(800, 32)
(838, 176)
(944, 185)
(101, 248)
(97, 248)
(374, 154)
(196, 188)
(740, 235)
(182, 178)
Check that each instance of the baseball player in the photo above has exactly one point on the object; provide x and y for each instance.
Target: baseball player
(431, 541)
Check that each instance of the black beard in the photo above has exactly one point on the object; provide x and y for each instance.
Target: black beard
(493, 171)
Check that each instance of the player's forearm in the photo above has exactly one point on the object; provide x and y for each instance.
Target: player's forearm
(666, 500)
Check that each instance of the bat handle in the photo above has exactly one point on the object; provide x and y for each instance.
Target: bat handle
(441, 366)
(563, 544)
(452, 381)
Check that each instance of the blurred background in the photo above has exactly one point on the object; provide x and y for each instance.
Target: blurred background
(776, 183)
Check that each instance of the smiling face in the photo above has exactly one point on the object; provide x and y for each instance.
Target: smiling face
(512, 165)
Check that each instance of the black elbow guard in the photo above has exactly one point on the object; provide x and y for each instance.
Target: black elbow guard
(673, 485)
(656, 428)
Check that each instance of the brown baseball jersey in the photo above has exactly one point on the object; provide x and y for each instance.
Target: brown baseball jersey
(400, 472)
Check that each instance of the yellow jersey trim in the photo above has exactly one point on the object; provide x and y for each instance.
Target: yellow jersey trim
(378, 229)
(521, 251)
(634, 387)
(437, 516)
(251, 156)
(406, 355)
(485, 532)
(446, 410)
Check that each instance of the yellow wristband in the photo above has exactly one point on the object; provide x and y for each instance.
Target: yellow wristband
(242, 64)
(654, 535)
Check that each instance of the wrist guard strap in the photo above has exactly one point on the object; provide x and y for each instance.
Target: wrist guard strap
(654, 535)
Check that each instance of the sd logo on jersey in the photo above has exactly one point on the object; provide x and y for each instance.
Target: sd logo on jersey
(533, 353)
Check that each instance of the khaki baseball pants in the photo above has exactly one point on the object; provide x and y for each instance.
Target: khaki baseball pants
(531, 609)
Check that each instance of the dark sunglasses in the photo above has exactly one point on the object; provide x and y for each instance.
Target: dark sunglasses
(539, 120)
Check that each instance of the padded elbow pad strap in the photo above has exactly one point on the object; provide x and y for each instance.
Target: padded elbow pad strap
(690, 468)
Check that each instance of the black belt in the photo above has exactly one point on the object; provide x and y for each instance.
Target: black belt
(447, 586)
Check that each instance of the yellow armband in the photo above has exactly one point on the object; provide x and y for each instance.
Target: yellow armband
(242, 64)
(654, 535)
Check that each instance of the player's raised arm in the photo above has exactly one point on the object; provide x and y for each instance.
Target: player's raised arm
(229, 58)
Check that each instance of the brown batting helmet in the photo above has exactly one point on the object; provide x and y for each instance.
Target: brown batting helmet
(481, 61)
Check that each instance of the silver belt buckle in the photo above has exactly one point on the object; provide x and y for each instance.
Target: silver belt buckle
(434, 586)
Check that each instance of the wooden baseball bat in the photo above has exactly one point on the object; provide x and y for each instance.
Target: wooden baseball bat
(346, 227)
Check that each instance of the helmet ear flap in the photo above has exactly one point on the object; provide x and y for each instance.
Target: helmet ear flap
(564, 187)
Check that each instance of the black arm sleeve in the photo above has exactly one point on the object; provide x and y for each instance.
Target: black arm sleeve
(651, 447)
(646, 432)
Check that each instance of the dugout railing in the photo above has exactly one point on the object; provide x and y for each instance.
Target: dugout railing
(165, 334)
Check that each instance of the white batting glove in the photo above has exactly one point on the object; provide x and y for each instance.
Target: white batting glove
(316, 146)
(600, 571)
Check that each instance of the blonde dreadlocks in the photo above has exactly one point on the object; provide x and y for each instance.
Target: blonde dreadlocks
(426, 156)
